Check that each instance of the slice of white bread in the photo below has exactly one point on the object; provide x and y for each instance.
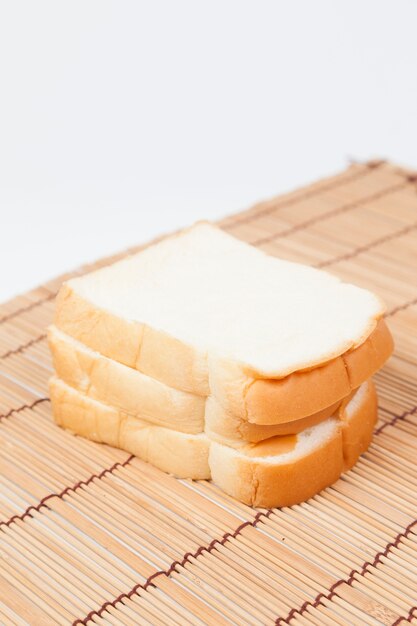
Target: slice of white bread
(204, 312)
(124, 388)
(280, 471)
(182, 454)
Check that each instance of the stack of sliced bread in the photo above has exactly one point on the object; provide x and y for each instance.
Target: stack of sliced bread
(210, 359)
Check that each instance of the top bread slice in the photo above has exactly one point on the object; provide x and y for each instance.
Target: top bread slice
(201, 304)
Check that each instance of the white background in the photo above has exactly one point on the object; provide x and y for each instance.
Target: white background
(123, 119)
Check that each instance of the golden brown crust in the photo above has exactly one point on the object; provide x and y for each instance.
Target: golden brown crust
(257, 432)
(304, 393)
(300, 480)
(226, 427)
(268, 485)
(256, 400)
(173, 362)
(358, 427)
(141, 396)
(362, 362)
(298, 395)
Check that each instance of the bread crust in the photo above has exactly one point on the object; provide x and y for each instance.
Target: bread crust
(180, 454)
(358, 424)
(298, 395)
(125, 388)
(258, 400)
(98, 329)
(257, 482)
(362, 362)
(231, 430)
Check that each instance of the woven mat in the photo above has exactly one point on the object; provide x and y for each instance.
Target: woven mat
(91, 535)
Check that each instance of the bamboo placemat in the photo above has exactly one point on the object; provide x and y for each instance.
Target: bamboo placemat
(91, 535)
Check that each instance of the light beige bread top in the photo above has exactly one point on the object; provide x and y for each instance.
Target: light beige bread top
(201, 304)
(277, 472)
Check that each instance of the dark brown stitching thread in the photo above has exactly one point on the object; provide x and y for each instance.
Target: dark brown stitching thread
(186, 559)
(22, 408)
(367, 167)
(406, 619)
(187, 556)
(369, 246)
(332, 590)
(395, 419)
(338, 211)
(23, 309)
(201, 549)
(30, 343)
(212, 545)
(82, 483)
